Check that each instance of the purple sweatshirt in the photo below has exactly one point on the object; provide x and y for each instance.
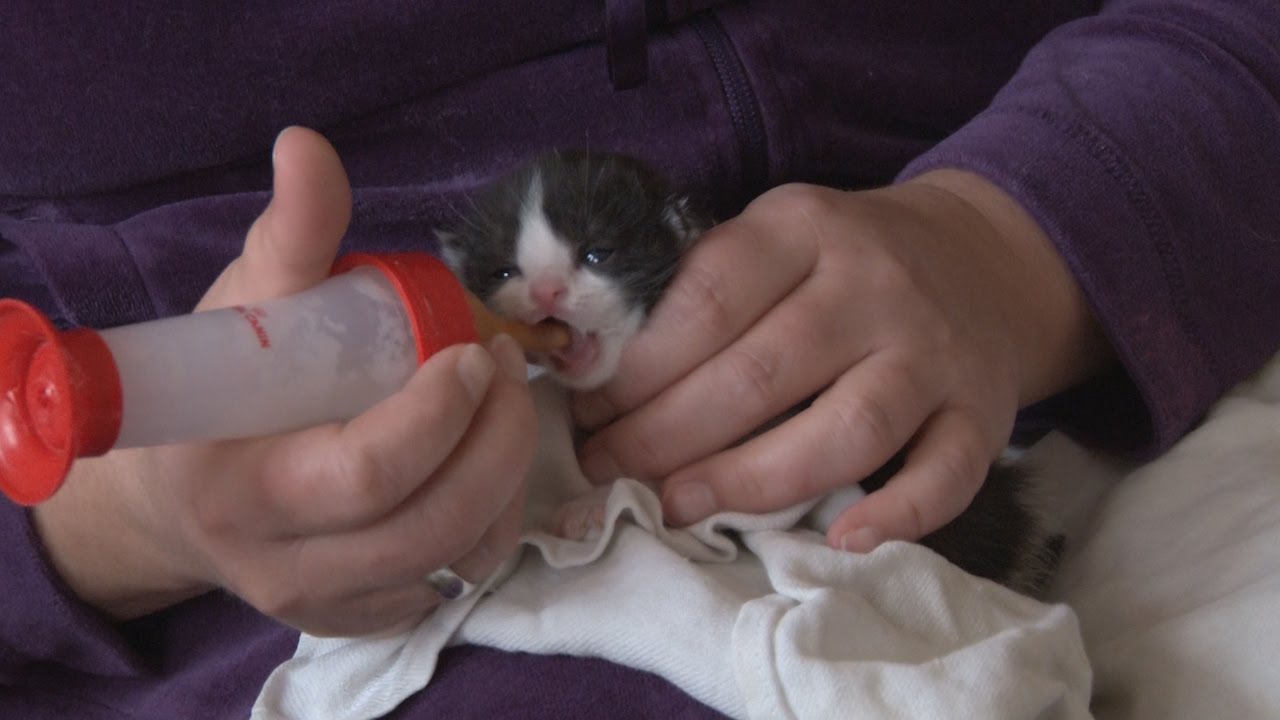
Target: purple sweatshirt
(1144, 136)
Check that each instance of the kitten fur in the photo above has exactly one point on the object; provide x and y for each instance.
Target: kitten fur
(593, 239)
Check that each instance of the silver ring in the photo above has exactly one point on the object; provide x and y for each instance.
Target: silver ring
(448, 584)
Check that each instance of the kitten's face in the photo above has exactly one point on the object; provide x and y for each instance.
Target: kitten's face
(591, 240)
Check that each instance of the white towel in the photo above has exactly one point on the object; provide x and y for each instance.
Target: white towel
(749, 614)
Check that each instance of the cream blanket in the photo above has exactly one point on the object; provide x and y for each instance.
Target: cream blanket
(752, 615)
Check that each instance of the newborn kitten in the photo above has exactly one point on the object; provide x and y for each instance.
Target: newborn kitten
(593, 239)
(589, 239)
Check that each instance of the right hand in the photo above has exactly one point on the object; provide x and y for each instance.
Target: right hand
(921, 316)
(330, 529)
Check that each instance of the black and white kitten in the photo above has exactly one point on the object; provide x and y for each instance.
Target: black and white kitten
(593, 239)
(589, 239)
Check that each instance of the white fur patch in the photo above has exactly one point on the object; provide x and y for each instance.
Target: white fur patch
(540, 252)
(676, 216)
(452, 256)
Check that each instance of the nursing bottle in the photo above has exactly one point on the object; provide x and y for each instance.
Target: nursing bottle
(321, 355)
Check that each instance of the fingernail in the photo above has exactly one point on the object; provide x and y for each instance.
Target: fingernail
(863, 540)
(690, 502)
(510, 357)
(600, 467)
(475, 370)
(277, 142)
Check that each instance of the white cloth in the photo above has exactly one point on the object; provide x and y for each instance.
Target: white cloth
(771, 625)
(1177, 577)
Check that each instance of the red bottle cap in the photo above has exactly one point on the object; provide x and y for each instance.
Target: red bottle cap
(431, 293)
(60, 399)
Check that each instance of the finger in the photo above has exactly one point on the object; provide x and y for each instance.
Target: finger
(291, 246)
(448, 515)
(850, 430)
(942, 473)
(391, 605)
(790, 354)
(388, 606)
(370, 612)
(497, 544)
(336, 477)
(729, 280)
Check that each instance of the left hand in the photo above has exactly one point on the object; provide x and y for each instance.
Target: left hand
(922, 315)
(333, 528)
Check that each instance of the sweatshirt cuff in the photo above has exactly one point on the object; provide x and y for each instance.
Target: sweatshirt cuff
(1096, 210)
(42, 621)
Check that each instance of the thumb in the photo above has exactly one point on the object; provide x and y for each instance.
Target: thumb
(292, 245)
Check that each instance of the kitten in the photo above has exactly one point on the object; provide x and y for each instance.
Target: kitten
(590, 239)
(593, 239)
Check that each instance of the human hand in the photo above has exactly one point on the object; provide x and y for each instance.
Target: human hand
(921, 315)
(331, 529)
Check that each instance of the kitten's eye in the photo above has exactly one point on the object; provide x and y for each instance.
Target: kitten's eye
(506, 273)
(595, 256)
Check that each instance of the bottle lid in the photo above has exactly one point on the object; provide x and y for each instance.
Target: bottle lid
(432, 295)
(60, 399)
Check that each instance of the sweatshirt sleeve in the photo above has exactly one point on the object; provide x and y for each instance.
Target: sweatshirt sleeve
(42, 621)
(1145, 140)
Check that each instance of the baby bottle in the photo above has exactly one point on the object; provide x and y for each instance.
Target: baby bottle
(322, 355)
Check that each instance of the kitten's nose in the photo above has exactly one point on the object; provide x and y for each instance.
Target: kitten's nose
(546, 293)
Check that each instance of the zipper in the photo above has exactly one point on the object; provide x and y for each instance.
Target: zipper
(744, 111)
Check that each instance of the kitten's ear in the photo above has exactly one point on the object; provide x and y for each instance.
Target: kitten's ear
(683, 221)
(449, 250)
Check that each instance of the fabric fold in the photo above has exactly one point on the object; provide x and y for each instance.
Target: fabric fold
(752, 615)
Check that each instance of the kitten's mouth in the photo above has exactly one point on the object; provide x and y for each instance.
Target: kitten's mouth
(579, 355)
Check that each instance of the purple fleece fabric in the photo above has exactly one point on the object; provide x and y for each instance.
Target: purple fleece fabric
(1142, 135)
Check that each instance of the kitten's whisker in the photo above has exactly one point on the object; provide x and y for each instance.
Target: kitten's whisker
(477, 220)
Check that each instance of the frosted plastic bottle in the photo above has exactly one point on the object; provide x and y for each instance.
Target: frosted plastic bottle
(324, 354)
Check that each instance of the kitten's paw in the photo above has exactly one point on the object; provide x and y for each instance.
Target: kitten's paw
(581, 518)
